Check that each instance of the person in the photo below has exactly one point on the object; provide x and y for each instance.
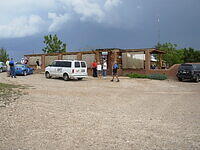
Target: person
(8, 68)
(22, 61)
(104, 68)
(99, 69)
(38, 64)
(12, 68)
(94, 69)
(26, 61)
(115, 70)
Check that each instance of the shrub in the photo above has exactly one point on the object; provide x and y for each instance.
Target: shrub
(157, 76)
(135, 75)
(152, 76)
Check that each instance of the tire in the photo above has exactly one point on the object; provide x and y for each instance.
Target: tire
(25, 73)
(80, 78)
(47, 75)
(1, 70)
(197, 79)
(66, 77)
(180, 79)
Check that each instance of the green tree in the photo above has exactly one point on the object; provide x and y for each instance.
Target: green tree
(191, 55)
(173, 55)
(53, 44)
(3, 55)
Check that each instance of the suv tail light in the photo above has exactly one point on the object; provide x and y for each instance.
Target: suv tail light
(72, 70)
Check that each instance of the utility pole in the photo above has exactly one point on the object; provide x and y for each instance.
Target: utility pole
(158, 25)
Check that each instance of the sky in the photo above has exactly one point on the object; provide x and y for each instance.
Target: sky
(90, 24)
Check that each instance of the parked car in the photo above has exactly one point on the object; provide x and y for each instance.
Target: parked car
(67, 69)
(189, 71)
(2, 67)
(21, 69)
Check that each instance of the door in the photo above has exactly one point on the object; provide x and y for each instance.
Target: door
(52, 69)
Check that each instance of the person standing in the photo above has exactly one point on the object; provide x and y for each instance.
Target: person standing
(26, 61)
(115, 71)
(99, 70)
(38, 64)
(12, 68)
(94, 69)
(8, 68)
(104, 68)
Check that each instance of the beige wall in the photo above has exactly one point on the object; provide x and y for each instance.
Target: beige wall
(133, 60)
(50, 59)
(89, 58)
(32, 60)
(69, 57)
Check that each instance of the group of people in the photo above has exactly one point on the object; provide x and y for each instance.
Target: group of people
(10, 66)
(100, 70)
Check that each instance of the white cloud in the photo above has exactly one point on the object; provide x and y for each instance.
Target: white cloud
(21, 18)
(110, 4)
(21, 27)
(57, 21)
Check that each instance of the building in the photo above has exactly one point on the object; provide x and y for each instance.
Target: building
(129, 60)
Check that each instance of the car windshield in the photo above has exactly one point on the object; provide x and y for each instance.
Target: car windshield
(20, 66)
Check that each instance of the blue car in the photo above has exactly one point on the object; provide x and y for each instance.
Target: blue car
(21, 69)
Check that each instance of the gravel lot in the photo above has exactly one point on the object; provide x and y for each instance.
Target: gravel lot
(97, 114)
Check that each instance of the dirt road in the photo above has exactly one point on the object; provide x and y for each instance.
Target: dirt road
(97, 114)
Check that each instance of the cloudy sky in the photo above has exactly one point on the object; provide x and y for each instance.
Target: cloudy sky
(98, 23)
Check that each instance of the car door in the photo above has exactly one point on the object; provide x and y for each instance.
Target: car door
(59, 69)
(52, 69)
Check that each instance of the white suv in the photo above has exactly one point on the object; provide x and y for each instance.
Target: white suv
(67, 69)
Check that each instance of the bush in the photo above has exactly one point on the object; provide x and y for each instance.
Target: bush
(157, 76)
(135, 75)
(152, 76)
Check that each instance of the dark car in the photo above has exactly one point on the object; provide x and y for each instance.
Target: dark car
(189, 72)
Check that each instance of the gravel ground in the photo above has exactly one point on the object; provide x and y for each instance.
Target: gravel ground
(97, 114)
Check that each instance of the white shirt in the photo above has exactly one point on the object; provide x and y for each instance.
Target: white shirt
(99, 67)
(104, 66)
(7, 64)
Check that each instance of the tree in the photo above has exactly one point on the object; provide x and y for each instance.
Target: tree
(173, 55)
(53, 44)
(191, 55)
(3, 55)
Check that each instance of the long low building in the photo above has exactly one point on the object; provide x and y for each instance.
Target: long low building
(129, 60)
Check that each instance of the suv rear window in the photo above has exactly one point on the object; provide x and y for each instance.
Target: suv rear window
(188, 67)
(77, 64)
(83, 65)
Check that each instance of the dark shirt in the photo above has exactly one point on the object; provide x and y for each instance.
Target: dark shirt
(38, 63)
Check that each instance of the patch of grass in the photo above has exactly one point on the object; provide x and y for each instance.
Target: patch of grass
(9, 93)
(152, 76)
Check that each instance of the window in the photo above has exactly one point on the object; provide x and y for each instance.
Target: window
(53, 63)
(66, 64)
(77, 64)
(83, 65)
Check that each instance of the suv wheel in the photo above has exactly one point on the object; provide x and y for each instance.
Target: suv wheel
(47, 75)
(66, 77)
(1, 70)
(180, 79)
(197, 79)
(80, 78)
(25, 73)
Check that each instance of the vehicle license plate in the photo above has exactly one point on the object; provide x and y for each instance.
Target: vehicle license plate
(184, 71)
(83, 70)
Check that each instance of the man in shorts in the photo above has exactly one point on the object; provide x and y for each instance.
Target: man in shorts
(115, 70)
